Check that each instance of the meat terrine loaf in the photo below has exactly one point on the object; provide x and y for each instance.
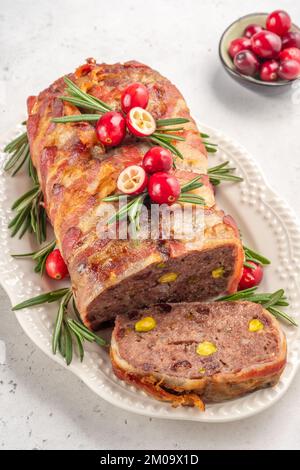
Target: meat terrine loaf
(111, 276)
(190, 353)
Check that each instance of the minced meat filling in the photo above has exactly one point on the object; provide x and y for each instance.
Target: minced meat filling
(172, 347)
(189, 278)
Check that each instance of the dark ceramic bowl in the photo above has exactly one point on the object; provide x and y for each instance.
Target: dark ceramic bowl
(235, 30)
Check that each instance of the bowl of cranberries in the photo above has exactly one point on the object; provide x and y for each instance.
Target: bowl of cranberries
(262, 48)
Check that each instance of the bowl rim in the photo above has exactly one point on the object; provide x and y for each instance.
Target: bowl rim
(248, 78)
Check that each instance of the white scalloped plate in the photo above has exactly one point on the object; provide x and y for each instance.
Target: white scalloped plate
(256, 208)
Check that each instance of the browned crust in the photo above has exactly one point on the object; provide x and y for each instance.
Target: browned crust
(153, 387)
(214, 390)
(75, 175)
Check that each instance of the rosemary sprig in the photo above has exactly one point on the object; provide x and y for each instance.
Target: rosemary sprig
(251, 255)
(191, 199)
(77, 118)
(85, 101)
(32, 172)
(210, 147)
(270, 301)
(163, 137)
(192, 184)
(170, 122)
(187, 196)
(58, 331)
(123, 212)
(39, 256)
(47, 297)
(88, 101)
(66, 329)
(82, 100)
(222, 172)
(163, 142)
(83, 332)
(167, 137)
(134, 212)
(30, 215)
(18, 149)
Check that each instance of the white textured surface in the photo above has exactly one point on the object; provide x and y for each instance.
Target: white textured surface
(46, 45)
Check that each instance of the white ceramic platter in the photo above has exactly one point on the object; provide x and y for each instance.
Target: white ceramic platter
(267, 224)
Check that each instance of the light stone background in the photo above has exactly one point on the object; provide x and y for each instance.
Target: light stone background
(42, 405)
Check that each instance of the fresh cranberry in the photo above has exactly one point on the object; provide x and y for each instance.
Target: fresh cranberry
(268, 71)
(134, 95)
(111, 128)
(55, 266)
(252, 29)
(279, 22)
(290, 53)
(266, 44)
(238, 45)
(157, 159)
(163, 188)
(246, 63)
(251, 277)
(140, 122)
(291, 39)
(132, 180)
(289, 69)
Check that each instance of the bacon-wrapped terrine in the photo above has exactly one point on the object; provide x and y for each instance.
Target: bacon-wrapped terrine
(112, 276)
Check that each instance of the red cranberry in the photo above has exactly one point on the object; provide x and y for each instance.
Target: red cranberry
(279, 22)
(134, 95)
(111, 128)
(238, 45)
(246, 63)
(266, 44)
(289, 69)
(291, 39)
(269, 71)
(251, 277)
(163, 188)
(157, 159)
(252, 29)
(55, 266)
(290, 53)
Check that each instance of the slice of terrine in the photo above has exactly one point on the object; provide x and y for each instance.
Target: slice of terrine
(190, 353)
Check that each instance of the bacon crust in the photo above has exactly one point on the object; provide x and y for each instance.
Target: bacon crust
(75, 173)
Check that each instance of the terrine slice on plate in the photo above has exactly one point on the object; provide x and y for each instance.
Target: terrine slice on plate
(190, 353)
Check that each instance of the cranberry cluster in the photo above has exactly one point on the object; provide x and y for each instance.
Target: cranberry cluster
(111, 127)
(153, 174)
(271, 53)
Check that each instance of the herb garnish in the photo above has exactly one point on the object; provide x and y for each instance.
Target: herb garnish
(210, 147)
(30, 213)
(66, 329)
(253, 256)
(39, 256)
(88, 102)
(18, 149)
(222, 172)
